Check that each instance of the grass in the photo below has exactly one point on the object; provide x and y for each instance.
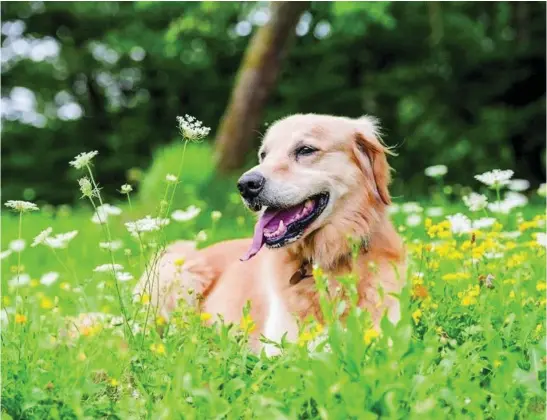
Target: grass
(471, 342)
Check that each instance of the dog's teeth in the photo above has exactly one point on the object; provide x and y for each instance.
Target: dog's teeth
(282, 228)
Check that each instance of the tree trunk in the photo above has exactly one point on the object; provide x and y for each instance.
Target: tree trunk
(255, 80)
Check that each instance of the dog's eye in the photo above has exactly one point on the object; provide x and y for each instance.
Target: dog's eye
(262, 155)
(305, 151)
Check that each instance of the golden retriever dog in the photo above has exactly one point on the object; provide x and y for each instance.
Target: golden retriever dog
(321, 184)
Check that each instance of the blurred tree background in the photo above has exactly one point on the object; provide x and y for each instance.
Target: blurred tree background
(457, 83)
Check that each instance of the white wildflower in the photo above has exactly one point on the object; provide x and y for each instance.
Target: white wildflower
(541, 238)
(148, 224)
(41, 237)
(434, 211)
(413, 220)
(123, 276)
(201, 236)
(511, 235)
(496, 178)
(519, 185)
(86, 188)
(49, 278)
(184, 215)
(60, 240)
(21, 206)
(112, 246)
(191, 128)
(5, 254)
(108, 267)
(216, 215)
(17, 245)
(103, 212)
(483, 222)
(126, 189)
(436, 171)
(412, 207)
(542, 190)
(459, 223)
(493, 255)
(83, 159)
(394, 208)
(171, 178)
(20, 280)
(511, 201)
(516, 199)
(475, 202)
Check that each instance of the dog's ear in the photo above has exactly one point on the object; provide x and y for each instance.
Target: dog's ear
(371, 153)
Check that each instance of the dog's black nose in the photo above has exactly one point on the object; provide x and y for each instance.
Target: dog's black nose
(250, 185)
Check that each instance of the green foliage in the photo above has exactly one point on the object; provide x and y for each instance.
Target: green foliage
(455, 83)
(486, 360)
(197, 168)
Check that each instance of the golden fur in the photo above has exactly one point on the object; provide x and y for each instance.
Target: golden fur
(351, 164)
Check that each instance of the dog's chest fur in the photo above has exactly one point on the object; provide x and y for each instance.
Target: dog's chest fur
(287, 303)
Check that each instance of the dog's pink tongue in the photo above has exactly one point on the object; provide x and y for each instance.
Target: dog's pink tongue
(258, 237)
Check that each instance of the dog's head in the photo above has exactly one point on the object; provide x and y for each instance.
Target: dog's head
(319, 176)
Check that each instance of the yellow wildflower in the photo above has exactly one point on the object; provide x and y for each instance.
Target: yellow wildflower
(247, 324)
(370, 335)
(456, 276)
(516, 260)
(145, 299)
(419, 292)
(510, 245)
(46, 303)
(433, 265)
(34, 283)
(114, 382)
(205, 316)
(304, 337)
(158, 348)
(497, 363)
(317, 271)
(179, 262)
(512, 294)
(417, 315)
(160, 321)
(91, 331)
(20, 319)
(541, 286)
(531, 224)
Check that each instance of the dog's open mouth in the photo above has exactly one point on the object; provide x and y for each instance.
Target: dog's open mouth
(280, 226)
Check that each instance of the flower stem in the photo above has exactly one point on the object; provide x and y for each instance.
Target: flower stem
(109, 239)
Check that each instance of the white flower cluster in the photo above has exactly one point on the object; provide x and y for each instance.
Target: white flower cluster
(21, 206)
(495, 178)
(60, 240)
(83, 159)
(459, 223)
(511, 201)
(185, 215)
(170, 178)
(475, 202)
(112, 246)
(191, 128)
(436, 171)
(148, 224)
(102, 213)
(108, 267)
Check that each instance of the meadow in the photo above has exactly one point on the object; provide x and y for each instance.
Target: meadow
(471, 342)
